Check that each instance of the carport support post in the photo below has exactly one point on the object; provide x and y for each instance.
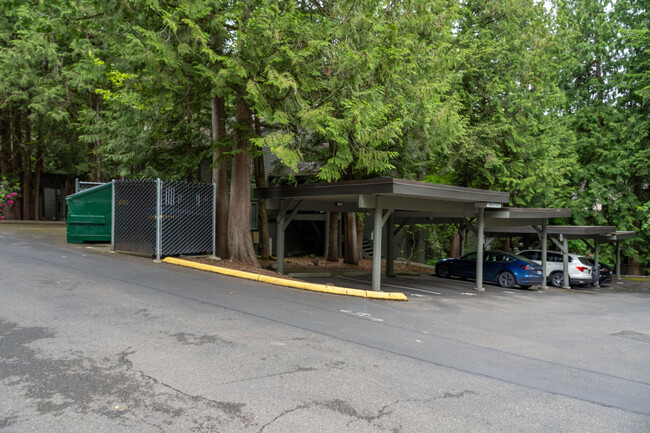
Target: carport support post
(376, 247)
(544, 253)
(596, 264)
(565, 262)
(479, 250)
(618, 260)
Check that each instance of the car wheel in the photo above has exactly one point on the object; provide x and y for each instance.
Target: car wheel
(506, 279)
(443, 271)
(557, 279)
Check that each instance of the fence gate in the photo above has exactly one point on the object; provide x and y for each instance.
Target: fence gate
(163, 218)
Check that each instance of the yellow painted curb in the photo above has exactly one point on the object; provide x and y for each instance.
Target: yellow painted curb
(323, 288)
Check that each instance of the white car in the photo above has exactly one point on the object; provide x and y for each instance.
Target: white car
(581, 270)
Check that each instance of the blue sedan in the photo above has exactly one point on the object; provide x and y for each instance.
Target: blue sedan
(507, 270)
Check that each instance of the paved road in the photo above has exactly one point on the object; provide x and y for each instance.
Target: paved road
(94, 341)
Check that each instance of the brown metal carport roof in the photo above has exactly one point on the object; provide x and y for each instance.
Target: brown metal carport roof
(570, 232)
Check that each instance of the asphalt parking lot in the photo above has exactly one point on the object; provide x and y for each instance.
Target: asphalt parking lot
(91, 340)
(422, 287)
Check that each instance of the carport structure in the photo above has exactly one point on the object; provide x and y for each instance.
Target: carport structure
(396, 201)
(560, 236)
(616, 239)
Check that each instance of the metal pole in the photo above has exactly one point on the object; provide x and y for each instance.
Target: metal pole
(479, 250)
(596, 264)
(158, 219)
(376, 248)
(618, 260)
(544, 253)
(566, 284)
(214, 220)
(112, 214)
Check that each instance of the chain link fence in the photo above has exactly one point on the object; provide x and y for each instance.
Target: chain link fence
(163, 218)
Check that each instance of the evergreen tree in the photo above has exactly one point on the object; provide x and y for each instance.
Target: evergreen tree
(516, 140)
(609, 112)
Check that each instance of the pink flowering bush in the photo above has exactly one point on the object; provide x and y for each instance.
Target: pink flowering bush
(8, 192)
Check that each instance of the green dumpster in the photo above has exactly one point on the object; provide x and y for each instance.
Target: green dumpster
(89, 214)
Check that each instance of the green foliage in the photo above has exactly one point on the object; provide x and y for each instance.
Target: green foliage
(645, 219)
(546, 100)
(605, 81)
(439, 241)
(517, 139)
(8, 194)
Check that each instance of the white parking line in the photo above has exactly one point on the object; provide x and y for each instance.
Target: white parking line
(393, 285)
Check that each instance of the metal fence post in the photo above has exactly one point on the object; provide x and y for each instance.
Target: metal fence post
(214, 220)
(158, 219)
(112, 215)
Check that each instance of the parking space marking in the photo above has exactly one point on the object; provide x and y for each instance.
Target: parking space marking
(362, 315)
(394, 285)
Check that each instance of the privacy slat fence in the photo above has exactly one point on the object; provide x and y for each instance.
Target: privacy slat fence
(163, 218)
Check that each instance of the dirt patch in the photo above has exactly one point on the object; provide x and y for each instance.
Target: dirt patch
(307, 264)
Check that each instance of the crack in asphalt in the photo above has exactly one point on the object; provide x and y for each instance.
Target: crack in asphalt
(267, 376)
(283, 413)
(109, 387)
(232, 409)
(338, 406)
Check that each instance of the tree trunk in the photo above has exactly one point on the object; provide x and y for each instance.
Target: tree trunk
(27, 172)
(350, 252)
(38, 169)
(17, 163)
(634, 267)
(260, 181)
(333, 246)
(240, 242)
(220, 175)
(455, 246)
(360, 229)
(95, 164)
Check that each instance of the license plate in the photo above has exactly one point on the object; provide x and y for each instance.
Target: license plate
(539, 272)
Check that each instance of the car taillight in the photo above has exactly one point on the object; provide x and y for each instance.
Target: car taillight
(582, 268)
(527, 268)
